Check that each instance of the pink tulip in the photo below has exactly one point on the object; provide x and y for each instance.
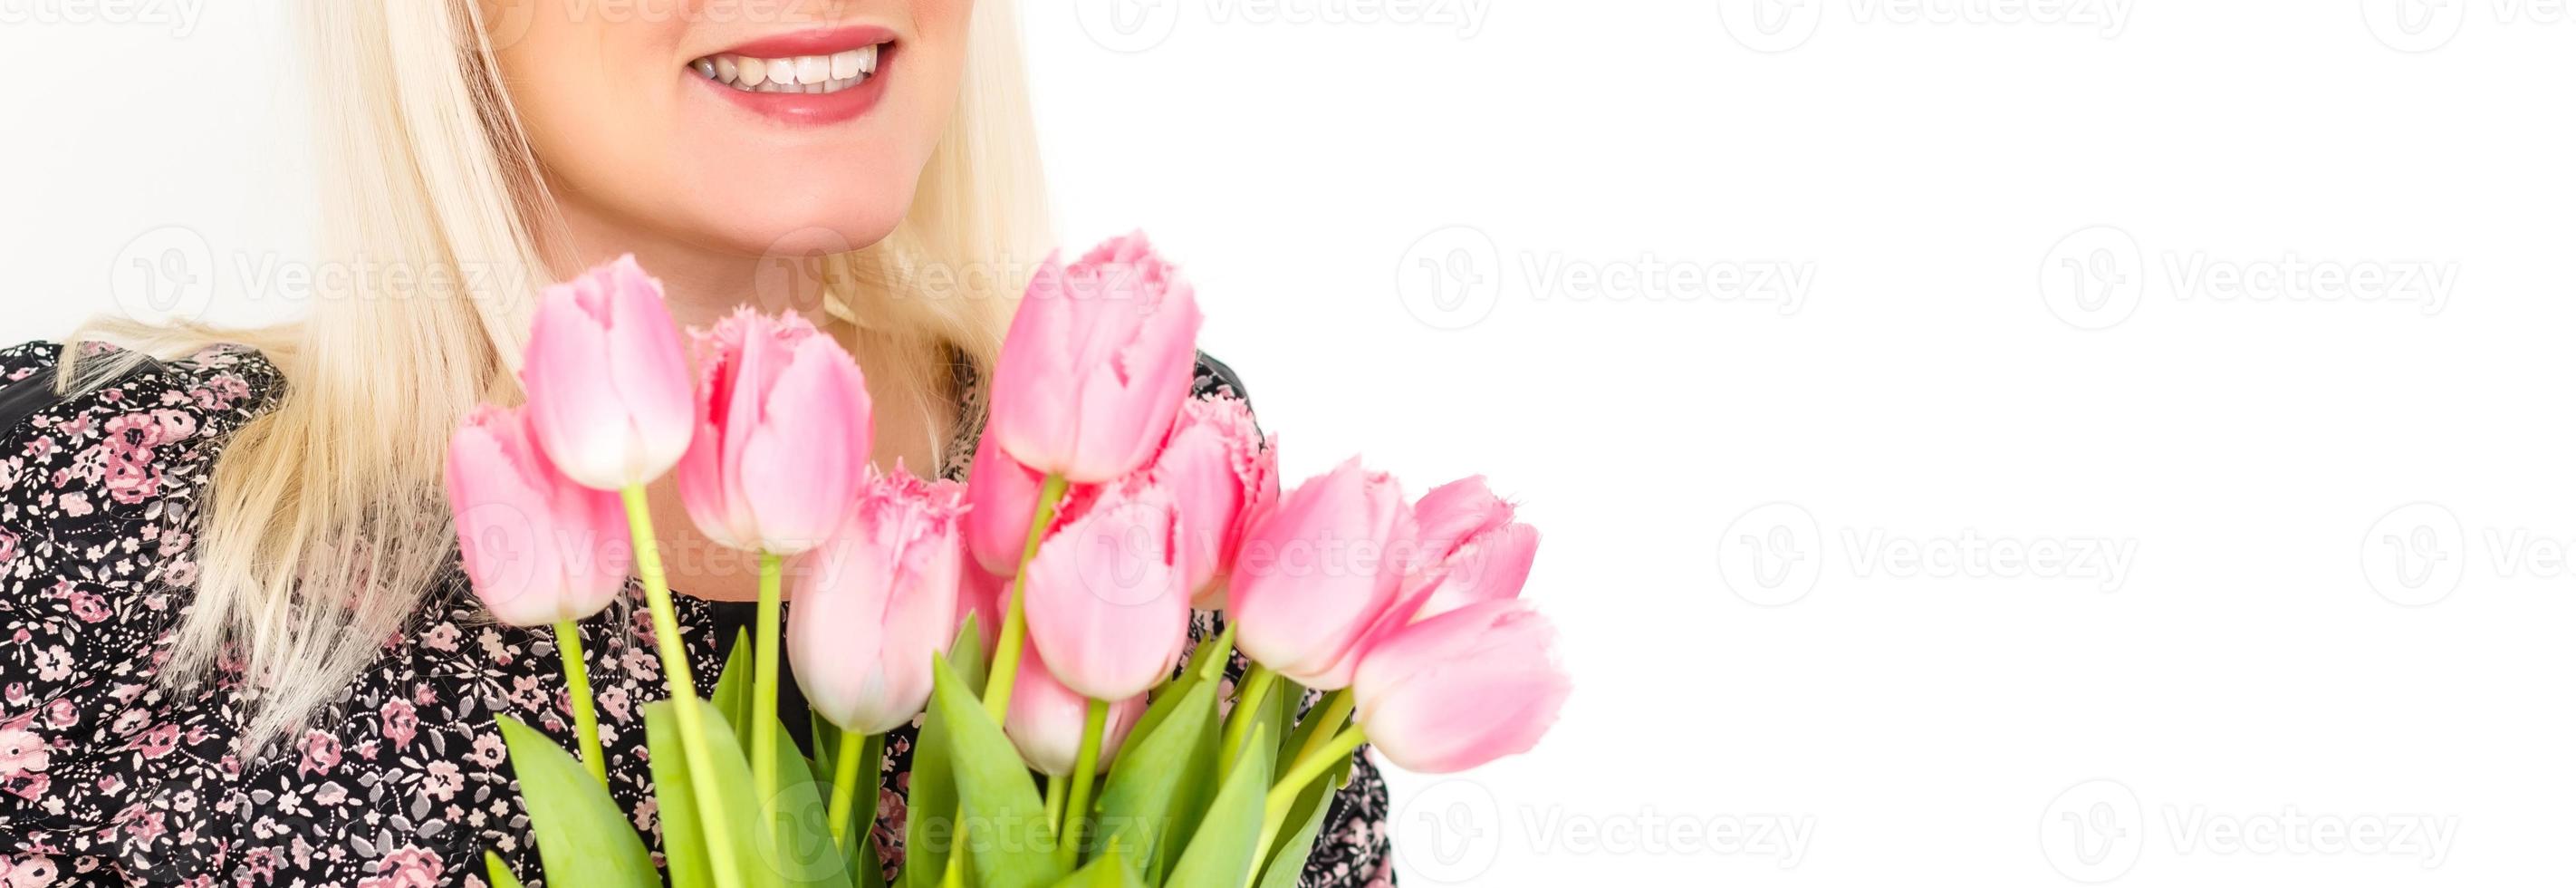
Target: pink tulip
(539, 547)
(1222, 474)
(1461, 689)
(607, 382)
(876, 602)
(1097, 361)
(1105, 595)
(1319, 572)
(1468, 548)
(1046, 720)
(783, 434)
(1004, 497)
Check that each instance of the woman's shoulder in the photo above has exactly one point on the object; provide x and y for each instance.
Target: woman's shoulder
(94, 482)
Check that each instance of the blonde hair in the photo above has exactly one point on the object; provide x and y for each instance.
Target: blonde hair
(325, 526)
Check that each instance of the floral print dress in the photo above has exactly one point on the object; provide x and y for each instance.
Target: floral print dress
(109, 774)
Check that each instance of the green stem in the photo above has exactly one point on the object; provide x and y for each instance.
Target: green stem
(1212, 658)
(585, 720)
(1015, 618)
(1256, 685)
(764, 696)
(1055, 804)
(1086, 765)
(855, 750)
(684, 690)
(1337, 707)
(1283, 795)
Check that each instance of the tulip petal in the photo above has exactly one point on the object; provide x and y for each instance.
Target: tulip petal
(572, 405)
(1105, 599)
(1320, 573)
(803, 464)
(1461, 689)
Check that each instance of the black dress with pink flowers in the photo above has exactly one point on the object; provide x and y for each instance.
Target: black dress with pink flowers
(110, 775)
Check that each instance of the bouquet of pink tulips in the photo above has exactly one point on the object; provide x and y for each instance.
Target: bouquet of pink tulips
(1034, 622)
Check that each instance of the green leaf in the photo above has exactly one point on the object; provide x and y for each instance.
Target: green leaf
(1286, 697)
(1136, 807)
(1191, 796)
(798, 849)
(967, 654)
(1166, 698)
(498, 873)
(1307, 726)
(1108, 870)
(733, 686)
(1222, 851)
(1007, 839)
(582, 835)
(684, 837)
(931, 804)
(1288, 860)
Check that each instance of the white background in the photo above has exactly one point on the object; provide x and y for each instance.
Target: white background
(1971, 280)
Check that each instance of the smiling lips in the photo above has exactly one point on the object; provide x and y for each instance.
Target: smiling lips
(810, 75)
(807, 78)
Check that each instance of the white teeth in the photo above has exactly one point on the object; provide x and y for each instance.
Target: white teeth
(804, 75)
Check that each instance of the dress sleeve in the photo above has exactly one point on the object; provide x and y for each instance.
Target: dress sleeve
(1351, 847)
(98, 493)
